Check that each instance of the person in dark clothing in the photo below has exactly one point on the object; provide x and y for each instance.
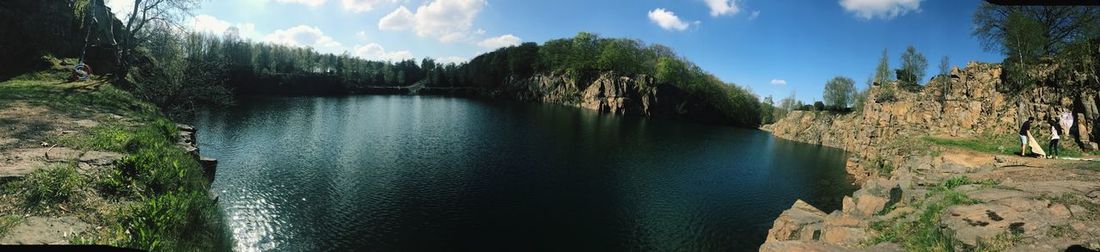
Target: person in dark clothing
(1055, 136)
(1023, 135)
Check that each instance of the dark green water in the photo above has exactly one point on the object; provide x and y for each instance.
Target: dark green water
(414, 173)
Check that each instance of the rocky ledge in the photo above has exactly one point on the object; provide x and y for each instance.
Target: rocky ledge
(917, 196)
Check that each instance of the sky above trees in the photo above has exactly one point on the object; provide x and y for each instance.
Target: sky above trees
(772, 47)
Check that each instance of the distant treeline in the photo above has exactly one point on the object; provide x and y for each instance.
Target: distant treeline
(213, 68)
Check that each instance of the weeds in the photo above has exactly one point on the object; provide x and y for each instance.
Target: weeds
(52, 186)
(7, 222)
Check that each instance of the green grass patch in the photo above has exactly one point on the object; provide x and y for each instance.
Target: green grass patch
(120, 138)
(52, 185)
(1006, 144)
(159, 190)
(174, 221)
(7, 222)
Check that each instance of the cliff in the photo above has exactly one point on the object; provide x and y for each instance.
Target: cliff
(917, 195)
(612, 93)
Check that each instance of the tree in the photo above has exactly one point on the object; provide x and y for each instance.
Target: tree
(944, 79)
(767, 110)
(839, 92)
(913, 66)
(145, 12)
(882, 71)
(1028, 34)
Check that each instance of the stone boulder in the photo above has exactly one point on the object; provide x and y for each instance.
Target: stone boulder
(801, 222)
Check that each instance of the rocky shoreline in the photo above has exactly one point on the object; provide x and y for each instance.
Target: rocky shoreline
(916, 195)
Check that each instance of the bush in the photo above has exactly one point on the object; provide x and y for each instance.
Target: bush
(886, 94)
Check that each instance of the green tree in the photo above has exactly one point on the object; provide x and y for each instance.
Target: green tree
(913, 67)
(882, 71)
(1028, 34)
(839, 92)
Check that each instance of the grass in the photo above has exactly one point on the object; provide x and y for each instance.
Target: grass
(7, 222)
(1004, 144)
(157, 190)
(172, 211)
(924, 233)
(52, 186)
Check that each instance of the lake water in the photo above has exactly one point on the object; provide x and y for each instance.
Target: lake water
(414, 173)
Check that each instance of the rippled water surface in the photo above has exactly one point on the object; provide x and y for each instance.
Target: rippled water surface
(412, 173)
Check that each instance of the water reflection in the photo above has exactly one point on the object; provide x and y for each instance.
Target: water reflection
(437, 173)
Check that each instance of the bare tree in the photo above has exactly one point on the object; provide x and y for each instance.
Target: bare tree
(144, 13)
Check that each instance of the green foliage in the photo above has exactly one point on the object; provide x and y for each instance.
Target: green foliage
(7, 222)
(53, 185)
(886, 93)
(912, 71)
(882, 70)
(120, 139)
(768, 111)
(174, 221)
(586, 55)
(1030, 35)
(840, 92)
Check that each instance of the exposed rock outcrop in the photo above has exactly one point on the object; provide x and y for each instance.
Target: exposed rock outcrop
(1003, 202)
(967, 104)
(613, 93)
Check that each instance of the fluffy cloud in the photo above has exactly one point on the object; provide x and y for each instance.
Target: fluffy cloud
(311, 3)
(302, 36)
(374, 51)
(362, 5)
(722, 7)
(885, 9)
(445, 20)
(667, 20)
(398, 20)
(779, 82)
(213, 25)
(754, 15)
(502, 41)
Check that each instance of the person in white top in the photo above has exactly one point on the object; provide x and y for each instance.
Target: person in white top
(1055, 130)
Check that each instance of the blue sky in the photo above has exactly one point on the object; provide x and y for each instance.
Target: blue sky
(773, 47)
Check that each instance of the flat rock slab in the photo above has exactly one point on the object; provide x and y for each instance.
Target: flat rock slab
(20, 162)
(100, 158)
(45, 230)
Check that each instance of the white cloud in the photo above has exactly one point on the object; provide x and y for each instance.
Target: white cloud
(445, 20)
(375, 51)
(399, 20)
(754, 15)
(722, 7)
(121, 8)
(452, 59)
(302, 36)
(213, 25)
(362, 5)
(885, 9)
(779, 82)
(667, 20)
(310, 3)
(502, 41)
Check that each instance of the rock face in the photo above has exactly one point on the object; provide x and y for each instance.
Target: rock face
(1039, 205)
(967, 104)
(24, 42)
(611, 93)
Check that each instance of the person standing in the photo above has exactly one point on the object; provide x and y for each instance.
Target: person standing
(1023, 135)
(1055, 130)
